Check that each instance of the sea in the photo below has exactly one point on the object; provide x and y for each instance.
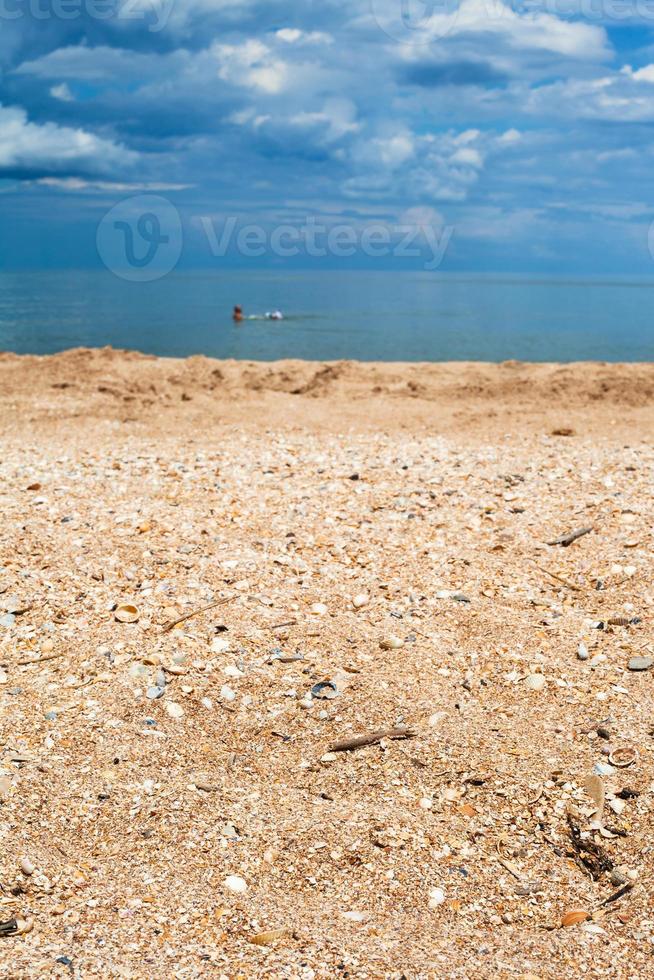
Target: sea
(332, 315)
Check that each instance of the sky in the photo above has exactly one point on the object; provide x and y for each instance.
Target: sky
(519, 135)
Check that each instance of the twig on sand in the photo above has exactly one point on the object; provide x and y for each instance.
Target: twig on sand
(289, 622)
(566, 539)
(616, 895)
(563, 581)
(358, 741)
(196, 612)
(38, 660)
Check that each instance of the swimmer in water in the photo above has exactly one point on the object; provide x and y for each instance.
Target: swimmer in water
(237, 315)
(275, 315)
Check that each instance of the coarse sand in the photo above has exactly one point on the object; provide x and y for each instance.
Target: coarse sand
(173, 800)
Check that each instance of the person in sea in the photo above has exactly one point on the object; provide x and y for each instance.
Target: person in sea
(237, 315)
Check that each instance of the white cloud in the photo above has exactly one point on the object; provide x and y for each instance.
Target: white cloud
(292, 35)
(644, 74)
(27, 146)
(62, 92)
(252, 65)
(476, 18)
(75, 184)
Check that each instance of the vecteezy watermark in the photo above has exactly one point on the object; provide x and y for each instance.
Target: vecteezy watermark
(416, 21)
(153, 13)
(418, 240)
(140, 239)
(421, 22)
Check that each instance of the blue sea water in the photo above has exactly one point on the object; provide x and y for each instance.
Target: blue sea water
(385, 316)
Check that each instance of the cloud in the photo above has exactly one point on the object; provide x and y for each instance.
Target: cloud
(293, 35)
(29, 149)
(487, 112)
(252, 65)
(62, 92)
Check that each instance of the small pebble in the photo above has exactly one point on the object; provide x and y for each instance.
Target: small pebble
(617, 878)
(226, 693)
(318, 609)
(360, 600)
(640, 663)
(174, 710)
(154, 692)
(582, 652)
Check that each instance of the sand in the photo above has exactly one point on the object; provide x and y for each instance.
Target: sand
(387, 524)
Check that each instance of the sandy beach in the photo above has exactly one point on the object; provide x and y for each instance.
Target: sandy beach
(179, 795)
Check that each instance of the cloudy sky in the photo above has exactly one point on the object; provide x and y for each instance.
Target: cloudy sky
(526, 127)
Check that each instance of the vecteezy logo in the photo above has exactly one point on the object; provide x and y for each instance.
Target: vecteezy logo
(415, 21)
(140, 239)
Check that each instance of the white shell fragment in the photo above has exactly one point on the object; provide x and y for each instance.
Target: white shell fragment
(234, 883)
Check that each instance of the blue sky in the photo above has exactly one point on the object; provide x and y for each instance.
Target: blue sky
(525, 128)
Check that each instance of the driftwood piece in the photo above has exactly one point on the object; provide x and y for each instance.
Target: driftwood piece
(358, 741)
(566, 539)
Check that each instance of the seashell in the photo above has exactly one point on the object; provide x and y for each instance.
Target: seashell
(26, 866)
(623, 757)
(535, 682)
(326, 690)
(236, 884)
(436, 897)
(126, 614)
(574, 917)
(219, 645)
(265, 938)
(318, 609)
(355, 916)
(391, 643)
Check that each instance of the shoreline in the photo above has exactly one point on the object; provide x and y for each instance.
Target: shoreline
(455, 397)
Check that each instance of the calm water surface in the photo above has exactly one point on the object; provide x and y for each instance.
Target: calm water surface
(382, 316)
